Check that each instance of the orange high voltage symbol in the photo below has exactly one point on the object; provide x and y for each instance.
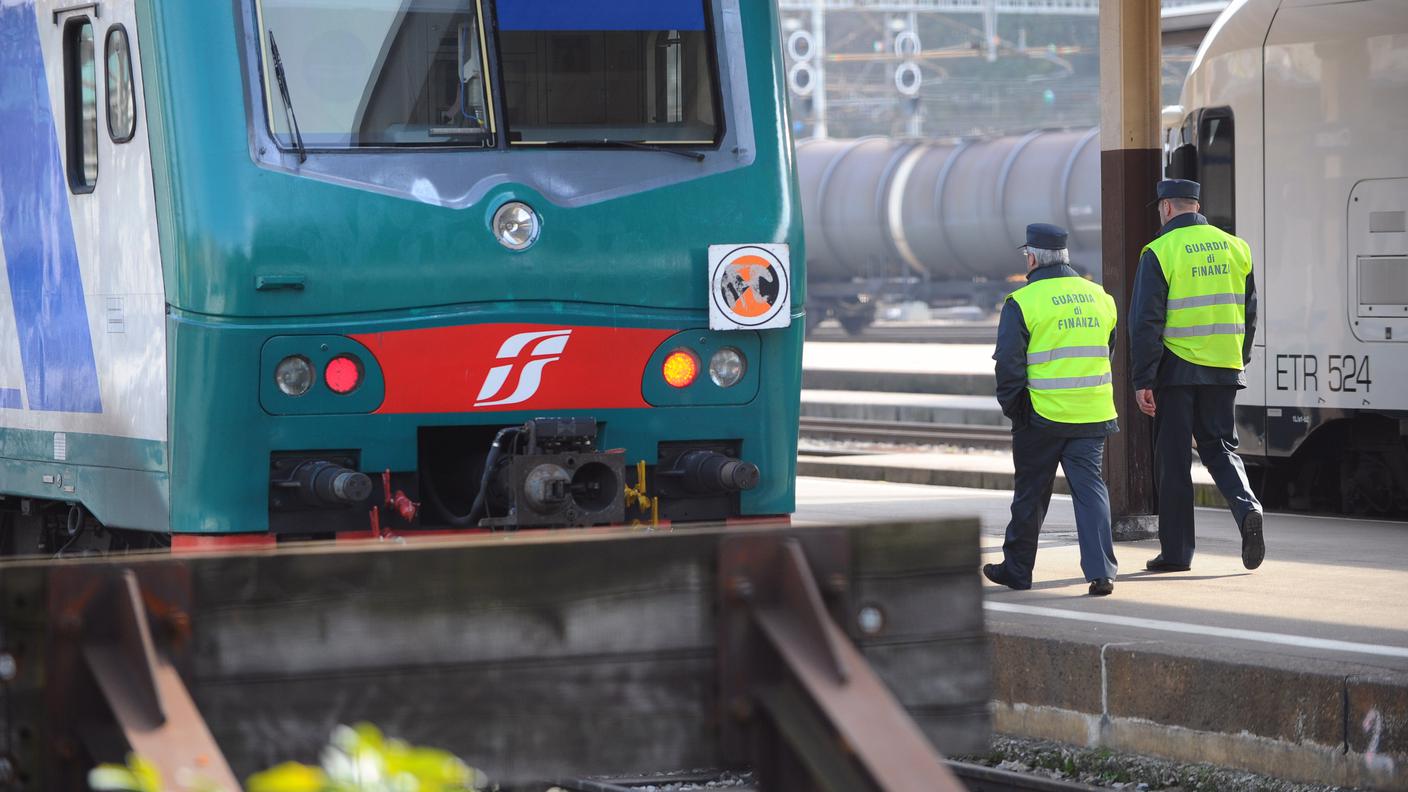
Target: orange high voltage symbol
(751, 274)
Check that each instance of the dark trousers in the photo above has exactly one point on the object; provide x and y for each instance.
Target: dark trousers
(1205, 413)
(1035, 455)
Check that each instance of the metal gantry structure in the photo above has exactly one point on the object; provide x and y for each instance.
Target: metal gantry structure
(806, 30)
(1063, 7)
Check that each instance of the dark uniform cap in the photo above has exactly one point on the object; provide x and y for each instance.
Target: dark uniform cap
(1178, 188)
(1045, 236)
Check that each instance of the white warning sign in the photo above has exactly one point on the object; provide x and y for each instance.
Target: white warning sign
(750, 287)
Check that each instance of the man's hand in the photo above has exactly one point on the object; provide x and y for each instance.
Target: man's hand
(1145, 398)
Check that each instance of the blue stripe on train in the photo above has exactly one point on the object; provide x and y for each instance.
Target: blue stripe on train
(10, 399)
(608, 15)
(41, 256)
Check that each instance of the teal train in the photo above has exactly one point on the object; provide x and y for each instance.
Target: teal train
(315, 268)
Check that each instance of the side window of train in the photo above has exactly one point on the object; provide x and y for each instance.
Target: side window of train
(122, 113)
(1217, 167)
(1183, 155)
(81, 105)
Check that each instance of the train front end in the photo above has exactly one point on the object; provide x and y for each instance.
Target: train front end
(456, 264)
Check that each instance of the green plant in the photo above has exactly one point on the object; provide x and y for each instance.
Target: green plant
(138, 775)
(361, 759)
(357, 759)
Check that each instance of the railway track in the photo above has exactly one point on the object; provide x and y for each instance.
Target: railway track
(817, 428)
(977, 778)
(909, 333)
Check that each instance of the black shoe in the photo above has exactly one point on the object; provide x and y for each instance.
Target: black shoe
(1253, 543)
(998, 575)
(1158, 564)
(1101, 587)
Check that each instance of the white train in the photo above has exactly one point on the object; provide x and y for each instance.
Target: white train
(1294, 118)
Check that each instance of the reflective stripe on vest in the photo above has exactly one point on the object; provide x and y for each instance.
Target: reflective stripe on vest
(1206, 269)
(1101, 351)
(1207, 330)
(1063, 383)
(1069, 321)
(1205, 300)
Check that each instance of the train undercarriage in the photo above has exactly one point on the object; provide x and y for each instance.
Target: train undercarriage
(545, 473)
(1353, 465)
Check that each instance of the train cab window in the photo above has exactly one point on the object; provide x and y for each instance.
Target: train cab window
(81, 105)
(376, 73)
(122, 114)
(578, 73)
(1216, 168)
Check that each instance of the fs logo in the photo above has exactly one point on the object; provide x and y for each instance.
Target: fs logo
(547, 347)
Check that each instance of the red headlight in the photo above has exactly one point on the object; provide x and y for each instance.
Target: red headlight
(680, 369)
(343, 374)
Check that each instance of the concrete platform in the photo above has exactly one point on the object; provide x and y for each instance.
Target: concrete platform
(1298, 669)
(980, 469)
(914, 358)
(917, 407)
(926, 383)
(956, 369)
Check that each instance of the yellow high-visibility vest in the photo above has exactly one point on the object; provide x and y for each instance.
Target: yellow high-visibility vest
(1068, 357)
(1206, 269)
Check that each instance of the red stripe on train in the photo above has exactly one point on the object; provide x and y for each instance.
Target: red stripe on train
(498, 367)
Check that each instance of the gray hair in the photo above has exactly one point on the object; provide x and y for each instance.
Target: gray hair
(1045, 257)
(1180, 205)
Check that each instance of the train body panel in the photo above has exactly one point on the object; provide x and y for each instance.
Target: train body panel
(940, 220)
(259, 252)
(217, 117)
(946, 209)
(83, 392)
(1336, 119)
(1312, 175)
(1294, 116)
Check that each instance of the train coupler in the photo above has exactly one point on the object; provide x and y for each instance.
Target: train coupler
(549, 473)
(318, 483)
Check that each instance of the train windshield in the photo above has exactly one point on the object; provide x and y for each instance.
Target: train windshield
(388, 73)
(626, 70)
(376, 73)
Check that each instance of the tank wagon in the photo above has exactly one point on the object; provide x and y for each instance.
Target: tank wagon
(939, 220)
(292, 267)
(1293, 117)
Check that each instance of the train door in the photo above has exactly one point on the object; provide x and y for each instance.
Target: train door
(1218, 142)
(109, 241)
(1205, 147)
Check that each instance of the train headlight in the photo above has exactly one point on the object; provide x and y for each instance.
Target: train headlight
(516, 225)
(681, 368)
(343, 374)
(727, 367)
(294, 375)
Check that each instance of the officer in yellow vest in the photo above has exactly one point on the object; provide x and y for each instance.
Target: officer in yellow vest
(1191, 325)
(1053, 382)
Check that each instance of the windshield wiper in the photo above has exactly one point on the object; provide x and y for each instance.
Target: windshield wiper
(289, 116)
(697, 156)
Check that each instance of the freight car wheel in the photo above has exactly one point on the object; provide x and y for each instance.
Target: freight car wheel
(7, 533)
(60, 529)
(855, 325)
(21, 534)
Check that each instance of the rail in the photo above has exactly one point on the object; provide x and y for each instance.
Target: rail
(974, 777)
(978, 778)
